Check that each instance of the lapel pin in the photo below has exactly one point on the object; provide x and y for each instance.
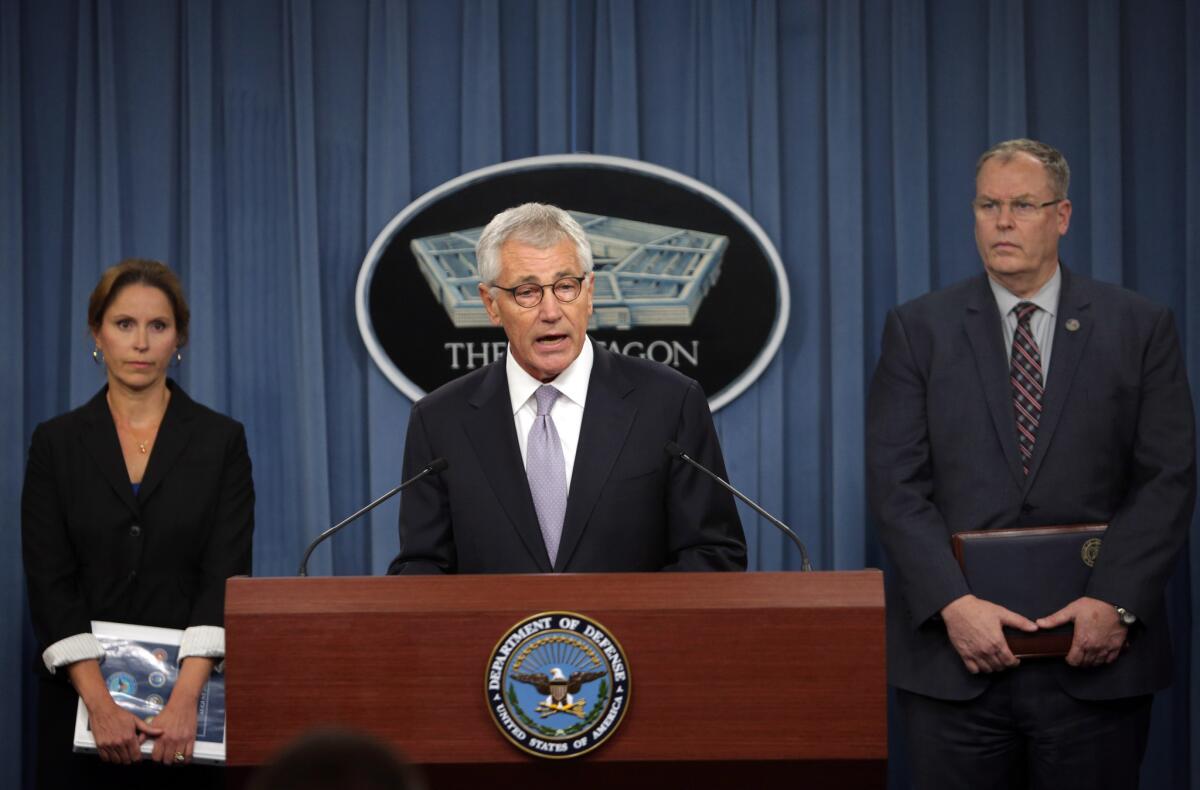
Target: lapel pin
(1072, 324)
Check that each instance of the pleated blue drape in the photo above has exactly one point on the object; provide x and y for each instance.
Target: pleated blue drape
(12, 390)
(259, 146)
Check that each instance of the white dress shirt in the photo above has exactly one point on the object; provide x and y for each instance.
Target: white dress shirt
(1041, 323)
(205, 641)
(567, 412)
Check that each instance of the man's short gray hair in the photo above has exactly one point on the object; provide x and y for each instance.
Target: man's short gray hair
(537, 224)
(1050, 157)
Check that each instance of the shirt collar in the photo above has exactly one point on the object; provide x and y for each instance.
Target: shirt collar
(1046, 299)
(572, 382)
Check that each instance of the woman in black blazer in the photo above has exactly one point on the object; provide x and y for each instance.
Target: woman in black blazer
(136, 508)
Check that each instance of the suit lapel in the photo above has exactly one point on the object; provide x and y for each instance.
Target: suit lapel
(99, 438)
(172, 439)
(983, 329)
(607, 419)
(1074, 305)
(492, 433)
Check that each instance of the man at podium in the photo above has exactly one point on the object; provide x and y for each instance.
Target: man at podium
(556, 451)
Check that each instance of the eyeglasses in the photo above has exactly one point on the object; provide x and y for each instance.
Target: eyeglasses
(566, 289)
(1021, 209)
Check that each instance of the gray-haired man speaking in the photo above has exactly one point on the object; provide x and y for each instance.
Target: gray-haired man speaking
(556, 459)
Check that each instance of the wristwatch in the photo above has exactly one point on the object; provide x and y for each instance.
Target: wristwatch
(1128, 618)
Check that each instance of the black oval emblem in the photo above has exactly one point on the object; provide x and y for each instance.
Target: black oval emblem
(684, 276)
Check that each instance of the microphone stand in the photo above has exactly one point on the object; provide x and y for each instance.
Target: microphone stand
(433, 467)
(676, 451)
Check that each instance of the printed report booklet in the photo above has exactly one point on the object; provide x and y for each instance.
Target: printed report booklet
(140, 670)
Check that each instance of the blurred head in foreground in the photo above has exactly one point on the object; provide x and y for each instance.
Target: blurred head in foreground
(337, 759)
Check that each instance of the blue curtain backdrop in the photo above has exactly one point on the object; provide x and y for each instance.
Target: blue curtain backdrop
(259, 146)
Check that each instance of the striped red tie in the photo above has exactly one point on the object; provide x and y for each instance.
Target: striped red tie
(1026, 380)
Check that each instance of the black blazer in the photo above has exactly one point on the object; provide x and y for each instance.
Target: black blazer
(630, 506)
(1116, 445)
(94, 551)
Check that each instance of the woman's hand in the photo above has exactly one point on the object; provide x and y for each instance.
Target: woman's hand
(119, 734)
(177, 722)
(178, 725)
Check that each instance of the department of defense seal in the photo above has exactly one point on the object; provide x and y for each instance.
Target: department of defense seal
(557, 685)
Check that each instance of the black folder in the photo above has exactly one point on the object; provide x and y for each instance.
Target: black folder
(1034, 571)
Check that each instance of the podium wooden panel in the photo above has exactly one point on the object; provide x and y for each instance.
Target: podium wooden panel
(736, 672)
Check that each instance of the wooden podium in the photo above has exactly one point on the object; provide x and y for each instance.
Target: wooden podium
(736, 679)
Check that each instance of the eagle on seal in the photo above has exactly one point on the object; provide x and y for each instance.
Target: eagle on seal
(558, 688)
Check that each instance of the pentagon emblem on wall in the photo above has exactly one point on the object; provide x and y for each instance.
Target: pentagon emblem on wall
(646, 275)
(683, 274)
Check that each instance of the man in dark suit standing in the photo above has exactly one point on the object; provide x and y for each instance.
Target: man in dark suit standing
(556, 452)
(1028, 395)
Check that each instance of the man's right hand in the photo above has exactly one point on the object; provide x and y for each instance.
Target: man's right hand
(976, 629)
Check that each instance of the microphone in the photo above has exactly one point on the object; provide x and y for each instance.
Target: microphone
(432, 468)
(675, 451)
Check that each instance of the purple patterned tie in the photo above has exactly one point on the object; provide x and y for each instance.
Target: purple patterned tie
(1026, 380)
(547, 471)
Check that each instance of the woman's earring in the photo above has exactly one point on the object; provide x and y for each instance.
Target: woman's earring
(97, 355)
(178, 358)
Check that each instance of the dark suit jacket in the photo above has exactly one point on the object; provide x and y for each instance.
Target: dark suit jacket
(630, 506)
(1116, 445)
(94, 551)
